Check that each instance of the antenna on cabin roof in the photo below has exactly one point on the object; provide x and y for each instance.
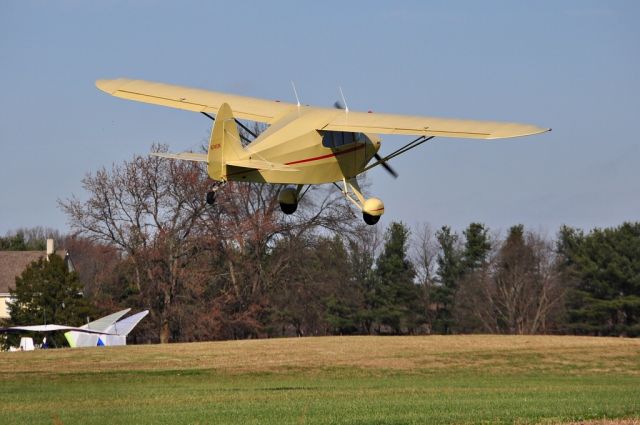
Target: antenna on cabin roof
(295, 92)
(346, 106)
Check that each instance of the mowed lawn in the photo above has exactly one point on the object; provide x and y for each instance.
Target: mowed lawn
(355, 380)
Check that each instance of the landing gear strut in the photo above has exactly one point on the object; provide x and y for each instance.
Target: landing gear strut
(372, 208)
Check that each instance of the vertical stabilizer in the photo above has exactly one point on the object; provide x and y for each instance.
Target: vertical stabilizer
(224, 144)
(124, 326)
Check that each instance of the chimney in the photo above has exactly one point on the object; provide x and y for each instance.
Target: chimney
(50, 248)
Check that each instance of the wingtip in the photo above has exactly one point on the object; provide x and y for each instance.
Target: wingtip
(537, 130)
(110, 86)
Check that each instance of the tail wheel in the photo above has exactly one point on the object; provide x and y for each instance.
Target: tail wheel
(211, 197)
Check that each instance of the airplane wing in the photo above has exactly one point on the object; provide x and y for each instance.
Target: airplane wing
(49, 328)
(196, 100)
(428, 126)
(268, 111)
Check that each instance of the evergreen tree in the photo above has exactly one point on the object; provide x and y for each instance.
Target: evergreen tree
(14, 243)
(474, 265)
(46, 292)
(396, 297)
(477, 247)
(604, 268)
(362, 248)
(450, 270)
(28, 239)
(342, 295)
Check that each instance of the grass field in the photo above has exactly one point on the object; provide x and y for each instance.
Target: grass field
(356, 380)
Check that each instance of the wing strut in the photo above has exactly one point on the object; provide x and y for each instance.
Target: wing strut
(212, 118)
(244, 127)
(415, 143)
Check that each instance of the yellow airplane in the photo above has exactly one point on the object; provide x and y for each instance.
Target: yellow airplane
(302, 145)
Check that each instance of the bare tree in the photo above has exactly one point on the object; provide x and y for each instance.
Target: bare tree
(424, 254)
(518, 292)
(150, 209)
(154, 212)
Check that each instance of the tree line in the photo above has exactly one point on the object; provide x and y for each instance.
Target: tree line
(144, 237)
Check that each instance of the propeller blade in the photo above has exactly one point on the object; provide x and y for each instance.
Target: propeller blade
(386, 166)
(338, 105)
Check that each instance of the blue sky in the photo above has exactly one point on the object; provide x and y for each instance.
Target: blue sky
(570, 65)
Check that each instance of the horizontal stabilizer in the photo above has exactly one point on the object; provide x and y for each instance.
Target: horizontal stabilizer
(185, 156)
(260, 165)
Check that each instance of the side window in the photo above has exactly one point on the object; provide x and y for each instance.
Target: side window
(327, 139)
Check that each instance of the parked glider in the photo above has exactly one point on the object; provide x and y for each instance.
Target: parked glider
(108, 330)
(302, 145)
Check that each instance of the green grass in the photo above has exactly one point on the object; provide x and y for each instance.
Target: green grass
(360, 380)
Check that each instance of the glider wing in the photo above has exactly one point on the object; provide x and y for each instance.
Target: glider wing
(50, 328)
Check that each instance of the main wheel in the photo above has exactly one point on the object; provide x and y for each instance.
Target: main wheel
(211, 197)
(370, 219)
(288, 200)
(288, 208)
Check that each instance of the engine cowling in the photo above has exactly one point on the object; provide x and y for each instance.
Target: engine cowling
(288, 200)
(372, 210)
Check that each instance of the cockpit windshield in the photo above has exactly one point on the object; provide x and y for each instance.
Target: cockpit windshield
(334, 139)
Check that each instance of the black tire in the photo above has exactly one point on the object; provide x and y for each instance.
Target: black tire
(211, 198)
(370, 219)
(288, 208)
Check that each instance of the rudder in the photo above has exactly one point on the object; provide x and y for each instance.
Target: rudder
(224, 144)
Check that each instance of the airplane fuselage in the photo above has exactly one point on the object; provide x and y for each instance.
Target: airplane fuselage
(317, 156)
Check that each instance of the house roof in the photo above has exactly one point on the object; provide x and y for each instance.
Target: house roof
(13, 263)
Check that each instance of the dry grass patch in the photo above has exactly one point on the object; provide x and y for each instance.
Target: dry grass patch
(477, 352)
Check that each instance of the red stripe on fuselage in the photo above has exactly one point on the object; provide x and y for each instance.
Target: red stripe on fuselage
(316, 158)
(300, 161)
